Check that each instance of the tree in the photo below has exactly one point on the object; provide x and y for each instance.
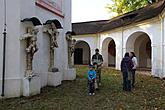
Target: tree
(120, 7)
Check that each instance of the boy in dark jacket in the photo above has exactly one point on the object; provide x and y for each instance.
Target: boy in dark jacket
(126, 68)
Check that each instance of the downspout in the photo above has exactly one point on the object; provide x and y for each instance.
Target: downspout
(122, 41)
(122, 28)
(97, 45)
(162, 46)
(4, 51)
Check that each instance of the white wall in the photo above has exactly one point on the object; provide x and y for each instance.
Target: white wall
(1, 34)
(27, 5)
(67, 27)
(15, 48)
(163, 45)
(13, 79)
(61, 61)
(120, 35)
(41, 58)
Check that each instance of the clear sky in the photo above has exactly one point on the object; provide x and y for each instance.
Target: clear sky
(89, 10)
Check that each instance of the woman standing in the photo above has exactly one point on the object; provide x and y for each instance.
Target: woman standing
(134, 60)
(126, 68)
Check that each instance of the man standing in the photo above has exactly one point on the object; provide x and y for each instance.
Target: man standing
(98, 59)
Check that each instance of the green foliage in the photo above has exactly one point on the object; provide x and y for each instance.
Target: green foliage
(123, 6)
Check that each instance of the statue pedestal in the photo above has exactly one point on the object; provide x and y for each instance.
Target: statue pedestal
(31, 85)
(54, 78)
(70, 74)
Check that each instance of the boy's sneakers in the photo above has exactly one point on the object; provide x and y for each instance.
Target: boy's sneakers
(91, 94)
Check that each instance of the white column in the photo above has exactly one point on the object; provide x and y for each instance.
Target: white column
(104, 53)
(92, 53)
(163, 47)
(163, 69)
(156, 61)
(118, 56)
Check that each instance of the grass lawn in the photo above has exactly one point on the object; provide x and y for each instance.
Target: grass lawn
(149, 94)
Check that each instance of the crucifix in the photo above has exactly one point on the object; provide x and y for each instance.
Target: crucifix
(71, 48)
(53, 33)
(31, 47)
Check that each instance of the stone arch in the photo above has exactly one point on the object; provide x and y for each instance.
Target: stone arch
(138, 32)
(140, 43)
(109, 52)
(82, 53)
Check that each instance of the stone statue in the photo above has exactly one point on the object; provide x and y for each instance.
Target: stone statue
(31, 47)
(71, 48)
(52, 32)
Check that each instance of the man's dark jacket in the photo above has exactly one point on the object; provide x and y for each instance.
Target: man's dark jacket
(97, 56)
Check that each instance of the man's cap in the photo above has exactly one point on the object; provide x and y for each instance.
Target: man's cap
(97, 50)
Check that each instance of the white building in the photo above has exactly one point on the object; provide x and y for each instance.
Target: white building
(22, 14)
(141, 31)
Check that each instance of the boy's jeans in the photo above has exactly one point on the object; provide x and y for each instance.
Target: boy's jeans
(91, 86)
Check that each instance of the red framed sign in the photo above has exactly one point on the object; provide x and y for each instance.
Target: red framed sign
(54, 6)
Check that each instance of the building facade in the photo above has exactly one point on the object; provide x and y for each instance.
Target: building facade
(141, 31)
(36, 47)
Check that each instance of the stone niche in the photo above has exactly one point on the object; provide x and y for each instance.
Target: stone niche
(51, 31)
(71, 71)
(31, 79)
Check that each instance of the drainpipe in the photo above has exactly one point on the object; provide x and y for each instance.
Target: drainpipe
(4, 51)
(162, 46)
(122, 41)
(122, 28)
